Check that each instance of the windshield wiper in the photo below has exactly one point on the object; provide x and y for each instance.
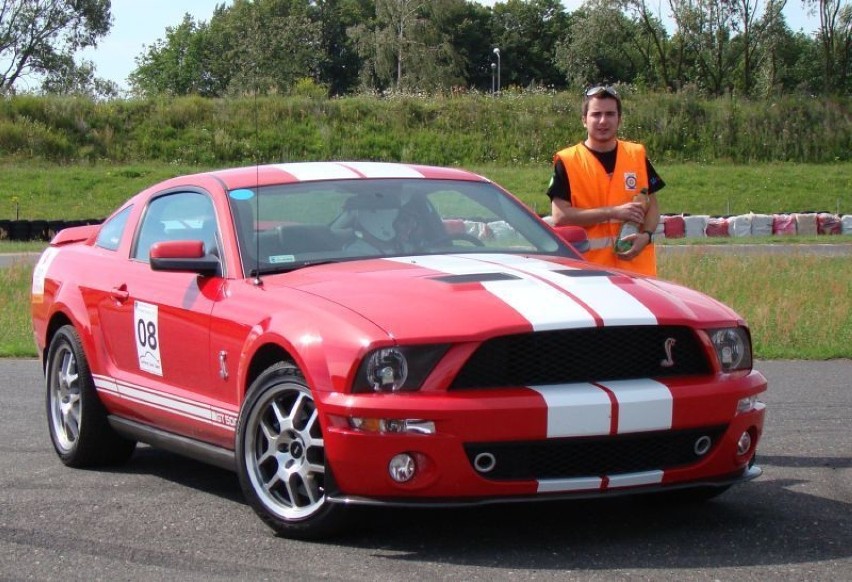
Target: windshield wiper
(289, 268)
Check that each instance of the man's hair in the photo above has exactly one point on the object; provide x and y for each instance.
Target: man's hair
(601, 92)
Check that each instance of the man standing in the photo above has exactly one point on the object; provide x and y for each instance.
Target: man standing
(598, 184)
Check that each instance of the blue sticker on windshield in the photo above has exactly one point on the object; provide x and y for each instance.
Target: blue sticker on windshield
(242, 194)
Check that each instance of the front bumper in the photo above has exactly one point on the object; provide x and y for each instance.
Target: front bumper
(542, 418)
(750, 473)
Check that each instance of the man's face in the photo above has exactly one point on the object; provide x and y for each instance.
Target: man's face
(602, 120)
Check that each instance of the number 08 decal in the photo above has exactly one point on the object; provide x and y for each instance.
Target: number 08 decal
(147, 335)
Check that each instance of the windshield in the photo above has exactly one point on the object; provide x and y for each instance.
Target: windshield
(289, 226)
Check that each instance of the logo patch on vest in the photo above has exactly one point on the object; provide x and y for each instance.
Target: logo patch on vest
(630, 180)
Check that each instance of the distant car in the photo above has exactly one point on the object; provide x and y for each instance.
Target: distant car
(369, 333)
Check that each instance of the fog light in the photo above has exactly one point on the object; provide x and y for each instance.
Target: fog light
(402, 468)
(744, 444)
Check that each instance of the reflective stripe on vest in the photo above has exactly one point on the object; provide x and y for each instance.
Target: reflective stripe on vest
(601, 243)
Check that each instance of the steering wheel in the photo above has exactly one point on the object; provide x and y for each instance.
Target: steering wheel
(465, 237)
(449, 240)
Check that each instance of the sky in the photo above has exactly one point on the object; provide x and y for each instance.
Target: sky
(139, 24)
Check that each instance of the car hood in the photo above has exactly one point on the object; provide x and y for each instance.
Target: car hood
(439, 297)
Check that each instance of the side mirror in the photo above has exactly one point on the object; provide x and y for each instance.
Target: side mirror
(575, 236)
(183, 256)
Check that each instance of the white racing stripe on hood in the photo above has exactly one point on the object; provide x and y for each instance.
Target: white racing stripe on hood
(615, 305)
(542, 305)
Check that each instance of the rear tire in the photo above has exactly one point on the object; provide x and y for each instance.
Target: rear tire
(76, 418)
(281, 457)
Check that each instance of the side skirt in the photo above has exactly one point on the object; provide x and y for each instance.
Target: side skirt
(181, 445)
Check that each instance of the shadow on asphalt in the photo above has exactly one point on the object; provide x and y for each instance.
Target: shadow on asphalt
(766, 522)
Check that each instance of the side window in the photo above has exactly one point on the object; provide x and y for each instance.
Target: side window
(110, 235)
(180, 216)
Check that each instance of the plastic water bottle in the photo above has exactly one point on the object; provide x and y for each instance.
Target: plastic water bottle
(630, 227)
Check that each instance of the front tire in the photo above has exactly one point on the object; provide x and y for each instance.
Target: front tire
(281, 456)
(76, 417)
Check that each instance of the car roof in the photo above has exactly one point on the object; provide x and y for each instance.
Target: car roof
(251, 176)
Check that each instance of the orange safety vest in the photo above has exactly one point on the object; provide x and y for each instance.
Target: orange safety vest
(591, 187)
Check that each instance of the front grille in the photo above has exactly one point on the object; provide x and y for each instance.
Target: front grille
(594, 456)
(583, 355)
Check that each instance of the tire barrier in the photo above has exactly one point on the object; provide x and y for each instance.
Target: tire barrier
(782, 224)
(670, 226)
(38, 230)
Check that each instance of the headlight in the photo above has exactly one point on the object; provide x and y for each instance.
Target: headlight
(733, 348)
(397, 369)
(387, 370)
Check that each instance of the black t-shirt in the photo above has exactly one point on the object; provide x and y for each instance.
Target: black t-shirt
(560, 187)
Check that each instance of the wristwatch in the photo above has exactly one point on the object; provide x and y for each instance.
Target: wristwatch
(650, 234)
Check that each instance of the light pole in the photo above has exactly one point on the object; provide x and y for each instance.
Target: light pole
(493, 68)
(497, 52)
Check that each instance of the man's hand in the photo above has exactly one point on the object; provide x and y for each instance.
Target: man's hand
(638, 242)
(629, 212)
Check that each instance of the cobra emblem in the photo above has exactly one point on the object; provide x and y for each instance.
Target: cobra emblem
(668, 346)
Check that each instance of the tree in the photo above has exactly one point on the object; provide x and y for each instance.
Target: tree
(785, 63)
(408, 45)
(175, 65)
(653, 42)
(753, 20)
(261, 46)
(706, 29)
(527, 33)
(39, 37)
(340, 63)
(835, 37)
(467, 27)
(79, 79)
(601, 48)
(271, 44)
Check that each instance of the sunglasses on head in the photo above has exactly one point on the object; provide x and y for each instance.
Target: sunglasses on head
(602, 90)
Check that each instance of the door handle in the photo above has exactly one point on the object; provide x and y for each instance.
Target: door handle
(120, 294)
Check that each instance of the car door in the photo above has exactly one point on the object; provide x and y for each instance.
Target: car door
(156, 325)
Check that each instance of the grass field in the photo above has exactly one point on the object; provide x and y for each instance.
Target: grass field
(43, 191)
(798, 306)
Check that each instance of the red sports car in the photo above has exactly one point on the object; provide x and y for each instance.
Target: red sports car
(370, 333)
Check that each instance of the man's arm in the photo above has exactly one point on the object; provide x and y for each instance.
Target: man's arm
(652, 216)
(642, 239)
(564, 214)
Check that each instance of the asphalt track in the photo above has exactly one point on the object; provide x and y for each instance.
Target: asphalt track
(161, 517)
